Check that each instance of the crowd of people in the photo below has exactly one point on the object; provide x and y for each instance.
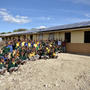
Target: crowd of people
(18, 52)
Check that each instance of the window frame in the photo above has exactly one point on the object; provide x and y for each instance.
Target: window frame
(86, 36)
(68, 37)
(51, 36)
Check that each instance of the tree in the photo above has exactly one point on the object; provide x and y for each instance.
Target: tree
(9, 32)
(33, 29)
(3, 33)
(19, 30)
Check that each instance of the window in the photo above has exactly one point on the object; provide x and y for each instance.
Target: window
(31, 37)
(13, 38)
(9, 38)
(24, 36)
(87, 36)
(6, 38)
(40, 37)
(2, 38)
(51, 36)
(68, 37)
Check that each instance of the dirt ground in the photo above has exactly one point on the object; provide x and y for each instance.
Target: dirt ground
(68, 72)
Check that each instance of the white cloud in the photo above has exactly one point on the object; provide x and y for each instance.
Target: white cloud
(13, 19)
(21, 17)
(42, 27)
(3, 9)
(44, 18)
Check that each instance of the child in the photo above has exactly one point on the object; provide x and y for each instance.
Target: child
(23, 43)
(2, 66)
(44, 53)
(54, 54)
(13, 53)
(23, 58)
(17, 44)
(6, 49)
(1, 54)
(6, 57)
(31, 56)
(12, 66)
(29, 44)
(37, 55)
(17, 60)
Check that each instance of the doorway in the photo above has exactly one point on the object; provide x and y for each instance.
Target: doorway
(31, 37)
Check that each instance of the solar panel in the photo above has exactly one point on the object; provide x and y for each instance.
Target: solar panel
(81, 24)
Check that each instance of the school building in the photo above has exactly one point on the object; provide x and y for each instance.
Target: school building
(76, 35)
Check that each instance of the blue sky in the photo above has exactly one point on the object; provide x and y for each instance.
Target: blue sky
(15, 14)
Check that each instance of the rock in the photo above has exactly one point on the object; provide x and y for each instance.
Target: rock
(63, 81)
(56, 84)
(45, 85)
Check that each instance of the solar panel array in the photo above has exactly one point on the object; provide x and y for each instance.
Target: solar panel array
(75, 25)
(60, 27)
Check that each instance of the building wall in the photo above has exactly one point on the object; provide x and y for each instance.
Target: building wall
(79, 48)
(45, 36)
(21, 37)
(11, 38)
(16, 37)
(28, 37)
(77, 37)
(62, 36)
(34, 37)
(56, 35)
(37, 36)
(5, 39)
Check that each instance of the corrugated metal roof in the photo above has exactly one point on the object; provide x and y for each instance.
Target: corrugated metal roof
(68, 26)
(18, 33)
(60, 27)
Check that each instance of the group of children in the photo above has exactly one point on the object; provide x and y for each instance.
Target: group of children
(16, 53)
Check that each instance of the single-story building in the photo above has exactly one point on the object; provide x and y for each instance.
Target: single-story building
(77, 36)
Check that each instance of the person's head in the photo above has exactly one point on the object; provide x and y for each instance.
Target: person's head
(6, 43)
(10, 43)
(13, 59)
(5, 55)
(17, 51)
(25, 40)
(15, 56)
(2, 60)
(22, 53)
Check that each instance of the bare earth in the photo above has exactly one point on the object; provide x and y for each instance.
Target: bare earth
(68, 72)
